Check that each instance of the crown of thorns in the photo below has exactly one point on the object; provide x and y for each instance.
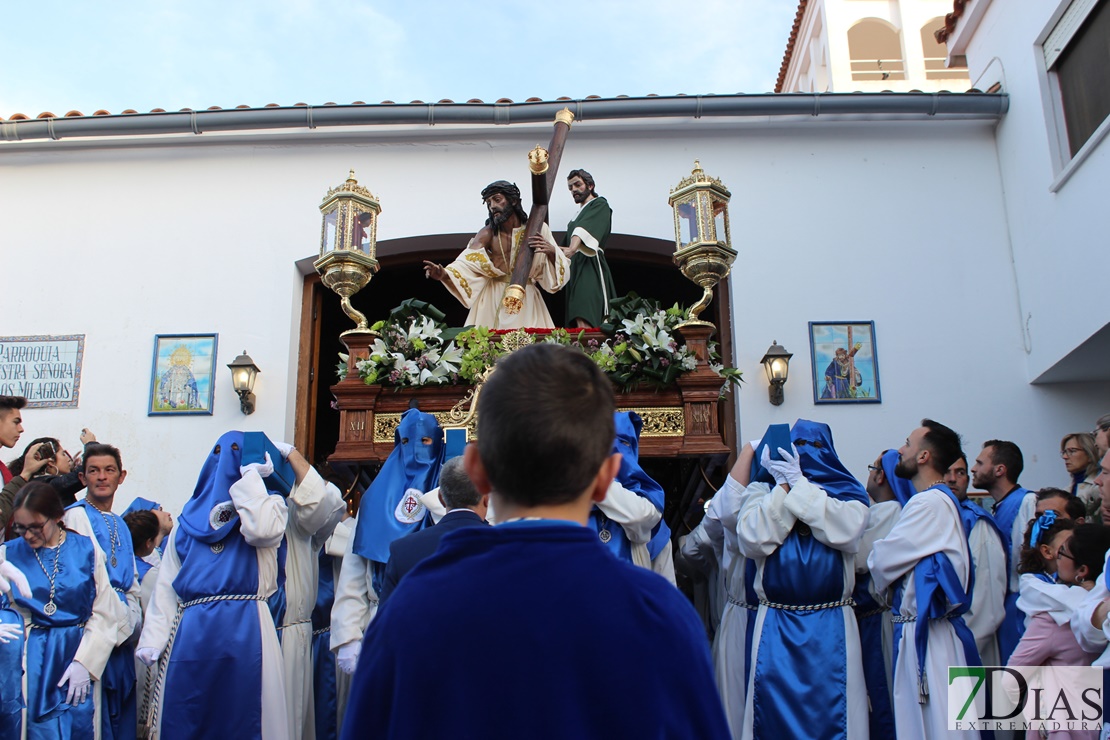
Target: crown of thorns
(504, 187)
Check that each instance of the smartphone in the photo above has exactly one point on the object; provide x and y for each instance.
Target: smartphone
(47, 451)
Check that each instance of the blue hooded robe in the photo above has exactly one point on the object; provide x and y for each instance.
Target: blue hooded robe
(391, 506)
(803, 652)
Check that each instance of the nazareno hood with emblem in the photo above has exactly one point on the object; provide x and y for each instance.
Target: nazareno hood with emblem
(210, 515)
(391, 506)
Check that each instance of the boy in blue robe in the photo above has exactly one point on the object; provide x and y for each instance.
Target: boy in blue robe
(538, 631)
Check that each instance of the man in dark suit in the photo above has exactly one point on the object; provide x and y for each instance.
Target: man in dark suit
(465, 508)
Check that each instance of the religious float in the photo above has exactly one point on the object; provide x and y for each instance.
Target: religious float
(663, 361)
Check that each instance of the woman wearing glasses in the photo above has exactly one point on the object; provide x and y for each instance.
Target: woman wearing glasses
(1048, 638)
(69, 611)
(1081, 460)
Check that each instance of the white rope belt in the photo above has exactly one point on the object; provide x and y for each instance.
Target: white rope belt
(900, 619)
(294, 624)
(55, 626)
(743, 605)
(154, 688)
(808, 607)
(321, 631)
(871, 612)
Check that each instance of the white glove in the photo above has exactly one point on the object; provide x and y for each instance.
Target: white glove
(263, 469)
(9, 575)
(9, 632)
(347, 656)
(284, 448)
(147, 655)
(77, 676)
(787, 471)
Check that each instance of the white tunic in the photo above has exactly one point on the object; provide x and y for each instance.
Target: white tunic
(766, 519)
(1094, 638)
(473, 279)
(263, 518)
(336, 546)
(315, 507)
(988, 598)
(881, 518)
(356, 602)
(930, 523)
(730, 656)
(129, 616)
(637, 517)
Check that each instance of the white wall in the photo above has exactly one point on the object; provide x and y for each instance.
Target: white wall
(1059, 232)
(833, 221)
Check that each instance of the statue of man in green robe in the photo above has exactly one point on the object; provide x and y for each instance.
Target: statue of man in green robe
(590, 286)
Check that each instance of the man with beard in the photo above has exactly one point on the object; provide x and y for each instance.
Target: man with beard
(996, 471)
(480, 275)
(925, 565)
(590, 287)
(988, 559)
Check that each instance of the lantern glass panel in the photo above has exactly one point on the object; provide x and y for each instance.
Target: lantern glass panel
(778, 368)
(362, 230)
(328, 237)
(688, 231)
(720, 216)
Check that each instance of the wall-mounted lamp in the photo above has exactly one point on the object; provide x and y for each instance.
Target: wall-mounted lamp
(777, 364)
(243, 373)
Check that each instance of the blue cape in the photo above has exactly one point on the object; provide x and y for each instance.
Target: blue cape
(820, 464)
(391, 506)
(902, 487)
(209, 516)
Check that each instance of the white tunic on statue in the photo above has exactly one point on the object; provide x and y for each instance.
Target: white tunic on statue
(766, 518)
(262, 522)
(474, 280)
(988, 598)
(315, 508)
(929, 524)
(730, 655)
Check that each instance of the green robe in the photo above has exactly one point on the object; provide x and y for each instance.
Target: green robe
(590, 286)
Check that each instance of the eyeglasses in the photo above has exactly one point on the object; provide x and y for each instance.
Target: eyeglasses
(1069, 451)
(1062, 553)
(20, 529)
(874, 468)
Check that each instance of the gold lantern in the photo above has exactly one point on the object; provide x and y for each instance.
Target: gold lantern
(348, 244)
(701, 232)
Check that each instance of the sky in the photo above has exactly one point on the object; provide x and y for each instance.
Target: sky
(174, 54)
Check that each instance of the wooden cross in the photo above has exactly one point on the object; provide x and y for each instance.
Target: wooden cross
(544, 165)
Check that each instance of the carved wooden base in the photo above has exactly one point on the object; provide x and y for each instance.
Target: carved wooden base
(683, 421)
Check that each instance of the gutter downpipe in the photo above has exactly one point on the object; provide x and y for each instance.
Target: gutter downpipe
(915, 105)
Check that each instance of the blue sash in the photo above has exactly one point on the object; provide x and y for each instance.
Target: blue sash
(1013, 624)
(53, 640)
(938, 586)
